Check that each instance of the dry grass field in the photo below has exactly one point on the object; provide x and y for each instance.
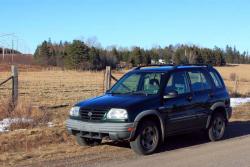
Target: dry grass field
(54, 87)
(43, 89)
(243, 74)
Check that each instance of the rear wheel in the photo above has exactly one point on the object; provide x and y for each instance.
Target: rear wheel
(87, 141)
(147, 140)
(217, 127)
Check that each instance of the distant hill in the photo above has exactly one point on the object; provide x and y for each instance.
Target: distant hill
(9, 51)
(17, 58)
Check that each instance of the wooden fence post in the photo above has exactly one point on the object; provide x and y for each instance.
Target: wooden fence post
(236, 82)
(14, 74)
(107, 79)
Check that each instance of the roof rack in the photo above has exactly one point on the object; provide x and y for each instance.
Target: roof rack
(154, 65)
(174, 65)
(206, 65)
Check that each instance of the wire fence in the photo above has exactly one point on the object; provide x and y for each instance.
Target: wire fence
(14, 84)
(48, 88)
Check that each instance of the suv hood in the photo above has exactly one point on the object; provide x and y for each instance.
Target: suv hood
(119, 101)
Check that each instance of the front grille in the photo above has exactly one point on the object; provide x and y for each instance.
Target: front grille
(92, 114)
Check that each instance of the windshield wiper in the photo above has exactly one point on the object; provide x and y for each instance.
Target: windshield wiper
(138, 93)
(114, 93)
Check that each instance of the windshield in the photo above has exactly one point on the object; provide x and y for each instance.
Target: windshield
(138, 83)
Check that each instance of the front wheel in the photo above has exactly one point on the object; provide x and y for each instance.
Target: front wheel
(217, 127)
(147, 140)
(86, 141)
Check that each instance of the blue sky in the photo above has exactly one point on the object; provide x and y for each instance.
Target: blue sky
(145, 23)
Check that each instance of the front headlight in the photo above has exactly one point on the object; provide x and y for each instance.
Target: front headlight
(74, 111)
(116, 113)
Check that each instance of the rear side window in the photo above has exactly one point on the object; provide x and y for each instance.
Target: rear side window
(216, 79)
(199, 82)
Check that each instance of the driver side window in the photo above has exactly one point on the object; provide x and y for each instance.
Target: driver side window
(177, 82)
(129, 85)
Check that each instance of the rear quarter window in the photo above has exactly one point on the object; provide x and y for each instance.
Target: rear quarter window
(199, 81)
(216, 79)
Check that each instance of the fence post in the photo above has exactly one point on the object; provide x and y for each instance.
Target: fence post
(107, 79)
(236, 82)
(14, 74)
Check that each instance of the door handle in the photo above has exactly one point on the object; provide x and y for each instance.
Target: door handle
(211, 94)
(189, 98)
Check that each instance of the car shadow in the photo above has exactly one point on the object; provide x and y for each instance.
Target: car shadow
(234, 129)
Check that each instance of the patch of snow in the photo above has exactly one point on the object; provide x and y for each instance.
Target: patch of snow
(239, 101)
(5, 123)
(50, 124)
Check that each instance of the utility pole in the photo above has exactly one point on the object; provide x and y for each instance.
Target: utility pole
(12, 45)
(4, 35)
(3, 52)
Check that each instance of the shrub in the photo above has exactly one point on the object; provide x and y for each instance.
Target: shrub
(23, 115)
(232, 76)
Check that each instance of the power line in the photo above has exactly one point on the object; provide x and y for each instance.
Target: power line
(3, 35)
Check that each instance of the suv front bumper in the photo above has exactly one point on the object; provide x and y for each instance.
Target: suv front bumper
(113, 131)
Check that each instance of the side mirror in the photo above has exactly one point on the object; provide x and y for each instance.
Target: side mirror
(171, 94)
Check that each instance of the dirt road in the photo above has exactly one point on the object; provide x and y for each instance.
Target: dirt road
(193, 150)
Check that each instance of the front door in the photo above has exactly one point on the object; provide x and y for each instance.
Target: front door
(178, 110)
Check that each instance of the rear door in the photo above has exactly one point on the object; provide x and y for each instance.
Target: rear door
(178, 110)
(202, 95)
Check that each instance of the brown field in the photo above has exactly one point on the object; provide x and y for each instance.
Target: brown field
(21, 59)
(242, 72)
(41, 88)
(54, 87)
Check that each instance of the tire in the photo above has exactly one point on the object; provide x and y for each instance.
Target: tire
(86, 141)
(147, 139)
(217, 127)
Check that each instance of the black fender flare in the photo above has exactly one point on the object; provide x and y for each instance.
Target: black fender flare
(212, 109)
(140, 116)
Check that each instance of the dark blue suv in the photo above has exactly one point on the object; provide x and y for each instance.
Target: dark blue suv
(152, 102)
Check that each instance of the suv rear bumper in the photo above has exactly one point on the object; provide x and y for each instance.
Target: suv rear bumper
(113, 131)
(229, 112)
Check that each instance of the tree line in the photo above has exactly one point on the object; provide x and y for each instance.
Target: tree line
(80, 55)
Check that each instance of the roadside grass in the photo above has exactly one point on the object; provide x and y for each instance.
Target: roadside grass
(241, 112)
(23, 115)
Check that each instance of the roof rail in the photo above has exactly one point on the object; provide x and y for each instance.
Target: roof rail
(154, 65)
(174, 65)
(206, 65)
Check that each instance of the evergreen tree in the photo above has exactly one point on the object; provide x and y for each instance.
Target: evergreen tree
(94, 59)
(76, 55)
(42, 54)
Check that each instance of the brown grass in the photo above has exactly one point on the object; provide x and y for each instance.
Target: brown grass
(241, 112)
(54, 87)
(28, 116)
(241, 71)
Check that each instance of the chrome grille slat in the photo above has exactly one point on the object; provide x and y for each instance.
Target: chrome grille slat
(97, 114)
